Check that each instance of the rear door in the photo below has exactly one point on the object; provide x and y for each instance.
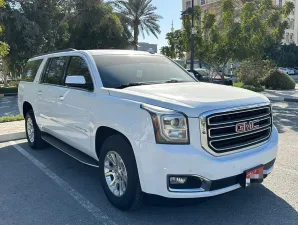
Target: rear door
(49, 92)
(74, 106)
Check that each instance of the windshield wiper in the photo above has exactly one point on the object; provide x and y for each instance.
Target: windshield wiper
(122, 86)
(175, 81)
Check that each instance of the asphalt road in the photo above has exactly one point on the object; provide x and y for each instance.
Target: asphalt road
(9, 106)
(48, 187)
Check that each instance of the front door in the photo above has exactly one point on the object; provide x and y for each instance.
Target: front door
(74, 105)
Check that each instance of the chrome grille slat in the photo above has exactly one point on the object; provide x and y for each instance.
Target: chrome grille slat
(239, 121)
(219, 138)
(244, 145)
(241, 135)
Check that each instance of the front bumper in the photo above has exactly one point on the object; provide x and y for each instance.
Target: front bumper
(155, 162)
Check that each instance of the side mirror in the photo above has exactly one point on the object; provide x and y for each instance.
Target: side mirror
(192, 74)
(78, 82)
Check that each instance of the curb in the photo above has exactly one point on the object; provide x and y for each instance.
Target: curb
(12, 137)
(280, 99)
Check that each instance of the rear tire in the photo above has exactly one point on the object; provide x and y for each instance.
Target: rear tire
(33, 132)
(116, 147)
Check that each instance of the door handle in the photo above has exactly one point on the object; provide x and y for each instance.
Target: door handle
(61, 98)
(39, 92)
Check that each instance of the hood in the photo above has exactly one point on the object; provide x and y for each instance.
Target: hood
(190, 98)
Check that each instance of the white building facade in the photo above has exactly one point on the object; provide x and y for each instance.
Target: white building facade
(291, 34)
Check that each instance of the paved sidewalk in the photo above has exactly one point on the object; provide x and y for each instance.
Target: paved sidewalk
(12, 131)
(288, 96)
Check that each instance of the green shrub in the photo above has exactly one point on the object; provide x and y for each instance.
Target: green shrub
(278, 80)
(253, 71)
(238, 84)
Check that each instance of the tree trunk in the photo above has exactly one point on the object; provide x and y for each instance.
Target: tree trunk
(5, 79)
(136, 36)
(223, 77)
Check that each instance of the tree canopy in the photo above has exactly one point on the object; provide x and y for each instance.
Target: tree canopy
(4, 48)
(175, 48)
(37, 26)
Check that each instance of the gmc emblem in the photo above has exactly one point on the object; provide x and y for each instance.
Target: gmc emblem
(246, 127)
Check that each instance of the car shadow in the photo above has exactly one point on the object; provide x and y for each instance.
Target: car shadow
(286, 117)
(9, 106)
(255, 205)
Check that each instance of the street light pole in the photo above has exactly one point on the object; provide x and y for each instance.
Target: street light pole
(192, 44)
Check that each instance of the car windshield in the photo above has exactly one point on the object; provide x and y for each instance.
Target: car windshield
(203, 73)
(121, 70)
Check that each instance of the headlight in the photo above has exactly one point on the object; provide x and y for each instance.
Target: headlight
(170, 127)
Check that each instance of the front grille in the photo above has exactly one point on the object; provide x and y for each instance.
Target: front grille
(236, 130)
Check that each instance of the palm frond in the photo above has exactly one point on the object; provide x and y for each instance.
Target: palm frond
(138, 12)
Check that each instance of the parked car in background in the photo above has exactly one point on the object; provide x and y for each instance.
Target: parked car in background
(147, 125)
(205, 76)
(289, 71)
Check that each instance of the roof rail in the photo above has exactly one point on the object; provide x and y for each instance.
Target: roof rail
(58, 51)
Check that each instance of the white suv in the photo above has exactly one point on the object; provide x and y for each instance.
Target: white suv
(147, 124)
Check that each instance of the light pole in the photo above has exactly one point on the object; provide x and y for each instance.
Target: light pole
(189, 11)
(192, 44)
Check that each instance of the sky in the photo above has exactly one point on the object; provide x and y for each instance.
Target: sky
(170, 10)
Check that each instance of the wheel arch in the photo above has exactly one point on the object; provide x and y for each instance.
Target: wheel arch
(26, 107)
(102, 133)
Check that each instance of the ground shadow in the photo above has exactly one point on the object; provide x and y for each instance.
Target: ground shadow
(286, 117)
(256, 205)
(9, 106)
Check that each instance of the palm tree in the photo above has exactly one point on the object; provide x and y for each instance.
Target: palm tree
(140, 16)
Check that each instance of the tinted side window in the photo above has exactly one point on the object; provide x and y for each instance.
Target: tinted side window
(31, 69)
(54, 73)
(79, 67)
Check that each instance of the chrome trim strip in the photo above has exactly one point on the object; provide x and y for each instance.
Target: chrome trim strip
(267, 172)
(187, 190)
(243, 145)
(225, 135)
(204, 132)
(208, 113)
(210, 193)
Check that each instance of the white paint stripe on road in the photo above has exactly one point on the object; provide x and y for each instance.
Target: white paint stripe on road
(96, 212)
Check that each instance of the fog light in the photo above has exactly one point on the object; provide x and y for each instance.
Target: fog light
(178, 180)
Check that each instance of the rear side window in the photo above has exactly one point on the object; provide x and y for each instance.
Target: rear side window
(54, 73)
(31, 69)
(79, 67)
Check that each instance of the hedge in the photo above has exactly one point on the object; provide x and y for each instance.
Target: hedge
(278, 80)
(10, 90)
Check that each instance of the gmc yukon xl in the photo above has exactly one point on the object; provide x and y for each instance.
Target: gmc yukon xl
(147, 124)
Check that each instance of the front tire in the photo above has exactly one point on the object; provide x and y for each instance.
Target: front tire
(33, 132)
(119, 174)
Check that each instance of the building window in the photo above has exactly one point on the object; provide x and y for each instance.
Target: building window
(291, 38)
(292, 24)
(287, 37)
(280, 3)
(203, 2)
(188, 4)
